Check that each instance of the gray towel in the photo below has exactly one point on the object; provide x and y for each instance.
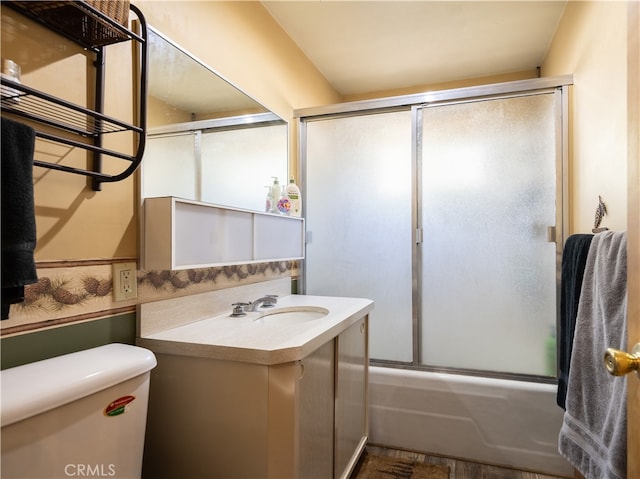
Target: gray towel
(593, 437)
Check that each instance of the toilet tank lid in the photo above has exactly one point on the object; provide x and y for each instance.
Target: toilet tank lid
(37, 387)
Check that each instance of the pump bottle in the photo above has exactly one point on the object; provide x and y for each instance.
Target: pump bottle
(292, 192)
(276, 192)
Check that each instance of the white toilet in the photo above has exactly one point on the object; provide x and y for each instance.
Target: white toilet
(78, 415)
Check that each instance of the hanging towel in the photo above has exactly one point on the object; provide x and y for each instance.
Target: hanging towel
(574, 257)
(594, 428)
(18, 216)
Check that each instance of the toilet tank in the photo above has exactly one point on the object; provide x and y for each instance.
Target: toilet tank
(78, 415)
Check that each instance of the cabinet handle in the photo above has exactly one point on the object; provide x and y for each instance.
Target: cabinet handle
(362, 327)
(301, 370)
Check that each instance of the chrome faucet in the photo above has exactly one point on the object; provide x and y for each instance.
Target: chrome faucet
(240, 309)
(268, 301)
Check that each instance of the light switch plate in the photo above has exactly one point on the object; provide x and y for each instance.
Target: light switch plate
(125, 281)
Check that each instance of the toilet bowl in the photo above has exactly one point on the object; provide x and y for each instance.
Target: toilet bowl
(78, 415)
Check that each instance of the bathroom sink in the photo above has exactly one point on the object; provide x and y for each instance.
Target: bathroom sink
(292, 315)
(283, 333)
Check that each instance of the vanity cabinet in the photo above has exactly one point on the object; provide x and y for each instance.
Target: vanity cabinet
(300, 419)
(182, 234)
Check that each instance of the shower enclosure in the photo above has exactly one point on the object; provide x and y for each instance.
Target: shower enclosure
(446, 209)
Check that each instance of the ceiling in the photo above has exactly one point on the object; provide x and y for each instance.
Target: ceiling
(366, 46)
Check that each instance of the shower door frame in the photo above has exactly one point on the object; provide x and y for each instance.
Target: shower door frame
(416, 102)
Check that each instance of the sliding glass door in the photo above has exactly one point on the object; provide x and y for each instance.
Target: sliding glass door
(358, 209)
(445, 215)
(488, 268)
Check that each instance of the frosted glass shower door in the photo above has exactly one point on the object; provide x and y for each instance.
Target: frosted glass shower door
(488, 271)
(358, 209)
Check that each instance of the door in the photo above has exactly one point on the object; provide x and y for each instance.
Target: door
(633, 239)
(358, 210)
(633, 308)
(352, 425)
(316, 413)
(489, 186)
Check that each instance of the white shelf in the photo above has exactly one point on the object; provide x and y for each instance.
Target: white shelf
(184, 234)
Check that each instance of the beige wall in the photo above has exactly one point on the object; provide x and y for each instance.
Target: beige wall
(239, 39)
(247, 47)
(80, 232)
(506, 77)
(590, 43)
(72, 221)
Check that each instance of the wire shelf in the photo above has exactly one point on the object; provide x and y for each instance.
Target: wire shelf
(77, 20)
(92, 29)
(37, 106)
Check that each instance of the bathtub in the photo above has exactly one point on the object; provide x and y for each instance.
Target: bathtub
(493, 421)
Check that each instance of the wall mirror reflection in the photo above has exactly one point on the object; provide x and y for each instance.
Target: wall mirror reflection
(207, 140)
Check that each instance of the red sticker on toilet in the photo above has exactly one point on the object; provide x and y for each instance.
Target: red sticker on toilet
(117, 407)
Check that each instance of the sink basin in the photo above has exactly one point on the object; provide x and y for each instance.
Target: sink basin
(292, 315)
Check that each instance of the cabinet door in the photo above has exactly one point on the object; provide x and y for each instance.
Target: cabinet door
(316, 420)
(352, 425)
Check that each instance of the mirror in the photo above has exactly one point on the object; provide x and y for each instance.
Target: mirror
(207, 140)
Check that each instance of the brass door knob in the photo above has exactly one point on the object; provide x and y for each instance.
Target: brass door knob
(619, 363)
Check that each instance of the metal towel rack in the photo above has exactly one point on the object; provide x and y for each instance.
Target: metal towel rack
(82, 127)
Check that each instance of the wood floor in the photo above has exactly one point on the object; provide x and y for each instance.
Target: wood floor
(460, 469)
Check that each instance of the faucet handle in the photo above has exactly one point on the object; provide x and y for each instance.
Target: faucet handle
(238, 309)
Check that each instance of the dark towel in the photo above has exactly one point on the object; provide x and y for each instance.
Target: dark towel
(593, 436)
(18, 214)
(574, 257)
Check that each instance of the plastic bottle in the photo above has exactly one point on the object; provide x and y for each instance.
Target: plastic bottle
(284, 204)
(268, 207)
(276, 192)
(11, 71)
(550, 348)
(292, 192)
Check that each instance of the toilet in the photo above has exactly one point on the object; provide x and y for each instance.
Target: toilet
(78, 415)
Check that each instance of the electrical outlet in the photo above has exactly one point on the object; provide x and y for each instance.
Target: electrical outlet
(125, 281)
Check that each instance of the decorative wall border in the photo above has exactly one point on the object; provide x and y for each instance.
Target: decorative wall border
(74, 291)
(159, 285)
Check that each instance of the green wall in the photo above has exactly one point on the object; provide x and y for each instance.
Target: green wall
(27, 348)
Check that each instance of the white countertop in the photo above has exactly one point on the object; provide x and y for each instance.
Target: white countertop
(257, 339)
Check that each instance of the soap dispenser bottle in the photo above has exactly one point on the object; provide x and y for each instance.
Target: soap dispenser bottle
(268, 200)
(276, 192)
(293, 193)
